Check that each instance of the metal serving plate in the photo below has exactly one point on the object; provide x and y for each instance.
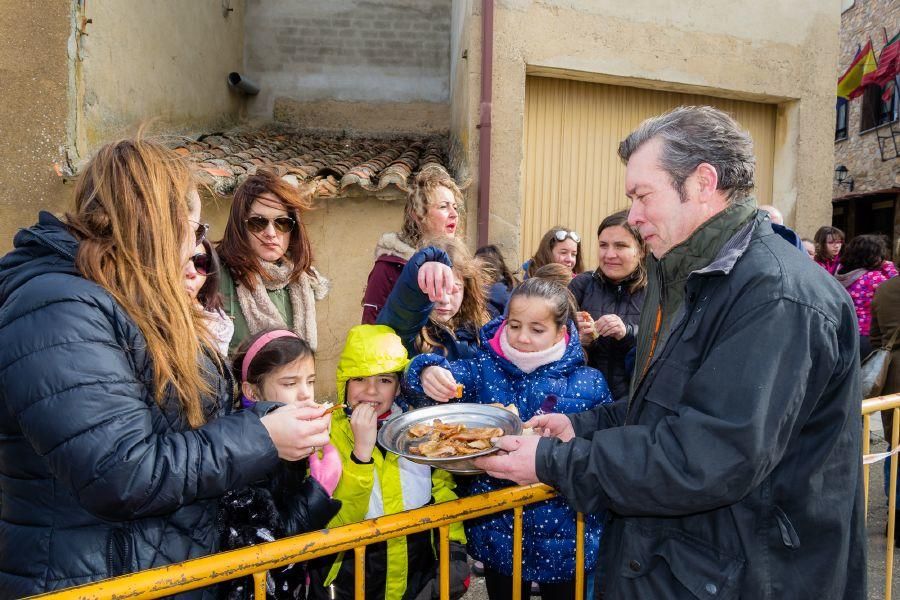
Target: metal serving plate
(393, 434)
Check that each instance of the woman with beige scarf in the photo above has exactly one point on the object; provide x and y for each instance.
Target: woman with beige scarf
(268, 280)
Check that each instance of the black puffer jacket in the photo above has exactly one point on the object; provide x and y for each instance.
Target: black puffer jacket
(735, 470)
(96, 479)
(599, 296)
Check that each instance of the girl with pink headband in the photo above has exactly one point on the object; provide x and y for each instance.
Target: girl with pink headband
(275, 367)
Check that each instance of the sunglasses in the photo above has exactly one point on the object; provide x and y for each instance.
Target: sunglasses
(200, 232)
(563, 234)
(258, 224)
(202, 264)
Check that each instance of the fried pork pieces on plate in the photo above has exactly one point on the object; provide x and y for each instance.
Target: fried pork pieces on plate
(451, 440)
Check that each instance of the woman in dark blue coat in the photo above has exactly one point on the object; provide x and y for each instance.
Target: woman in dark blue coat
(115, 443)
(438, 303)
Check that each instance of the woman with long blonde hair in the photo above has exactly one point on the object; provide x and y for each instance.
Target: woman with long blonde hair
(117, 442)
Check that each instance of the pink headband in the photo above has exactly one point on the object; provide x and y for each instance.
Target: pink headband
(259, 344)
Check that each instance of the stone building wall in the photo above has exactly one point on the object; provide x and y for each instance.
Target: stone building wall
(859, 152)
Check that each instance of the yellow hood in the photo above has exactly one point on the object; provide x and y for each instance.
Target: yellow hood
(370, 350)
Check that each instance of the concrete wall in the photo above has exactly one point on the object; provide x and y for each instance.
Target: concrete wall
(769, 50)
(347, 50)
(165, 62)
(33, 66)
(859, 152)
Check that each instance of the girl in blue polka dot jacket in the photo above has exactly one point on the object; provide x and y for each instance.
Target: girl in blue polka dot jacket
(532, 359)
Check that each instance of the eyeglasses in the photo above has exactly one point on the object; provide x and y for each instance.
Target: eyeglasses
(200, 232)
(202, 264)
(563, 234)
(258, 224)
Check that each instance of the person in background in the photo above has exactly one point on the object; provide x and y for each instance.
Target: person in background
(829, 241)
(433, 208)
(533, 360)
(610, 300)
(554, 272)
(275, 368)
(810, 247)
(778, 226)
(863, 269)
(559, 245)
(885, 311)
(269, 279)
(118, 434)
(201, 279)
(375, 482)
(501, 279)
(438, 304)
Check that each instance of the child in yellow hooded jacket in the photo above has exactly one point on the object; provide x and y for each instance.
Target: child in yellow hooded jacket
(375, 482)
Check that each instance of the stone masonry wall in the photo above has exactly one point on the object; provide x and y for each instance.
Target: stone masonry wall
(859, 152)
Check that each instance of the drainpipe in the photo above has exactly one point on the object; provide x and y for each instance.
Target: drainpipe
(484, 125)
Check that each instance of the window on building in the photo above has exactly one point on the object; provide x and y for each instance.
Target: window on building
(840, 126)
(874, 110)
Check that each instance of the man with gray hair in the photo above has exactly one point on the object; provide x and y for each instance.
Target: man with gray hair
(733, 470)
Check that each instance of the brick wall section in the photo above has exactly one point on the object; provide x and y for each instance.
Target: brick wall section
(351, 50)
(859, 152)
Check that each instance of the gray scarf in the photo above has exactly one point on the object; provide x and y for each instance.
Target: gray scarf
(261, 313)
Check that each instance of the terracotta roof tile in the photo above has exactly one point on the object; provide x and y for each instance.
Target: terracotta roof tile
(332, 165)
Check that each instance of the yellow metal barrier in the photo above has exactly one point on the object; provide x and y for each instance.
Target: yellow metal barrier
(257, 560)
(870, 406)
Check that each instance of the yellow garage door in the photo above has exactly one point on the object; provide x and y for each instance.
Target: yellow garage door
(573, 176)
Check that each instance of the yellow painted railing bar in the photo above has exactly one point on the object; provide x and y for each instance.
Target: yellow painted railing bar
(579, 556)
(359, 572)
(200, 572)
(517, 553)
(867, 428)
(881, 403)
(259, 585)
(445, 561)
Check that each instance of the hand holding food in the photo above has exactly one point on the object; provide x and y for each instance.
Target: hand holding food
(439, 384)
(586, 331)
(364, 423)
(297, 430)
(552, 425)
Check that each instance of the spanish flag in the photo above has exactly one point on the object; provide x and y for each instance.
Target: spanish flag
(850, 83)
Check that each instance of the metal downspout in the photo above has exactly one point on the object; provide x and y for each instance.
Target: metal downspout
(484, 124)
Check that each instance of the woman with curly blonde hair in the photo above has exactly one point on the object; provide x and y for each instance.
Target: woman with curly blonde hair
(433, 208)
(117, 445)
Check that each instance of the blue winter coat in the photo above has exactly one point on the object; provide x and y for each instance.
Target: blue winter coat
(548, 549)
(97, 479)
(407, 309)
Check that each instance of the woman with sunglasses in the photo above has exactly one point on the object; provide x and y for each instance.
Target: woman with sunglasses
(201, 279)
(433, 208)
(559, 245)
(268, 279)
(118, 439)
